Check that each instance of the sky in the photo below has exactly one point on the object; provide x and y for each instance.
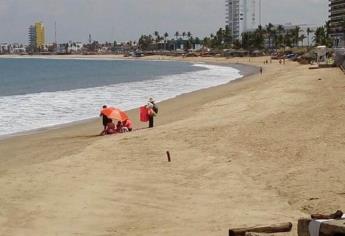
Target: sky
(123, 20)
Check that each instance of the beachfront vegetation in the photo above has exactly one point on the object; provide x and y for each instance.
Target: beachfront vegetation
(322, 36)
(158, 42)
(270, 37)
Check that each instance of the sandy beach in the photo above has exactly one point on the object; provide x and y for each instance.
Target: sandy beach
(265, 149)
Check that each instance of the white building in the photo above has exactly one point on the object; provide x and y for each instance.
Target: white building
(241, 16)
(303, 31)
(18, 48)
(5, 48)
(75, 47)
(70, 47)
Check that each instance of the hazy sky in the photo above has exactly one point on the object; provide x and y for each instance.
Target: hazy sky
(122, 20)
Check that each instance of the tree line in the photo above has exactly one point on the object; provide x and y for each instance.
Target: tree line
(161, 42)
(268, 37)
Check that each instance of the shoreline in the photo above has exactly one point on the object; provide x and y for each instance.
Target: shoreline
(245, 71)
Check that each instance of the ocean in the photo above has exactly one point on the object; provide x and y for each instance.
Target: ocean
(40, 93)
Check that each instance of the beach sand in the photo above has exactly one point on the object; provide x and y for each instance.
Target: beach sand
(262, 150)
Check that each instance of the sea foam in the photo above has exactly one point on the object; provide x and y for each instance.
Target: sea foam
(21, 113)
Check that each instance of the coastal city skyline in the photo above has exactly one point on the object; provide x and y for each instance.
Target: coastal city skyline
(105, 21)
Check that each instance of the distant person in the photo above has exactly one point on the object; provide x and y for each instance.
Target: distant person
(152, 110)
(110, 128)
(128, 124)
(155, 107)
(261, 70)
(119, 127)
(105, 119)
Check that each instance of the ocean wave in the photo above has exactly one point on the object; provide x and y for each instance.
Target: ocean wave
(21, 113)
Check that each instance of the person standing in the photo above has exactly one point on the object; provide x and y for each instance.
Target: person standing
(152, 111)
(155, 107)
(105, 119)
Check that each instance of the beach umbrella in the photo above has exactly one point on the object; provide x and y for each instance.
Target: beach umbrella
(114, 114)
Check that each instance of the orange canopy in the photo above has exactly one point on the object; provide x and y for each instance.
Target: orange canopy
(114, 113)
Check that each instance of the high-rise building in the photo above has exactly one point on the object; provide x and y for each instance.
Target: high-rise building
(40, 35)
(37, 36)
(32, 37)
(241, 16)
(337, 22)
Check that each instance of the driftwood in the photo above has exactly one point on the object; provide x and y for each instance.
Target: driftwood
(337, 215)
(277, 228)
(168, 155)
(258, 234)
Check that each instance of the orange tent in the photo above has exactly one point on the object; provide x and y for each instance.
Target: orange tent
(114, 114)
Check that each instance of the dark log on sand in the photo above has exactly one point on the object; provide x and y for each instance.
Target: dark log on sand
(257, 234)
(337, 215)
(277, 228)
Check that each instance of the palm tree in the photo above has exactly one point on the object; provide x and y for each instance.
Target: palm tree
(246, 40)
(177, 34)
(227, 36)
(280, 31)
(288, 39)
(295, 33)
(309, 31)
(205, 42)
(302, 38)
(319, 36)
(219, 39)
(156, 33)
(166, 35)
(197, 40)
(274, 38)
(269, 31)
(184, 35)
(259, 39)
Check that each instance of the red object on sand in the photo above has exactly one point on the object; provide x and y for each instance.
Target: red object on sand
(114, 113)
(144, 114)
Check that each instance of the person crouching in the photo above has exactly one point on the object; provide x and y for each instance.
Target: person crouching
(127, 124)
(110, 128)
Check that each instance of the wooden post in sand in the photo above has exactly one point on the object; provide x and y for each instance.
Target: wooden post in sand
(284, 227)
(168, 155)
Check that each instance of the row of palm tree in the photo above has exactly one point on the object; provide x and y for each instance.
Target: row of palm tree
(272, 37)
(153, 42)
(269, 37)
